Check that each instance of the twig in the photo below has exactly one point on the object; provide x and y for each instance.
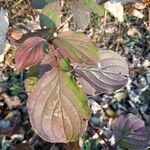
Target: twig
(19, 12)
(105, 17)
(21, 77)
(107, 143)
(52, 147)
(17, 3)
(149, 19)
(62, 24)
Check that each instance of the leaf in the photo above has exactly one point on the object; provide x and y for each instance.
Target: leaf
(30, 82)
(50, 16)
(86, 87)
(4, 24)
(32, 77)
(92, 6)
(77, 47)
(81, 14)
(37, 71)
(33, 71)
(39, 4)
(114, 7)
(29, 53)
(109, 76)
(130, 133)
(58, 109)
(65, 64)
(47, 63)
(137, 14)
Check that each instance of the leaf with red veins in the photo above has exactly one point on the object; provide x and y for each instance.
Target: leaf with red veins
(81, 14)
(29, 53)
(77, 47)
(110, 75)
(130, 132)
(58, 108)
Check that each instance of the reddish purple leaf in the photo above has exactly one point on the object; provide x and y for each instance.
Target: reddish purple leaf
(47, 63)
(110, 75)
(86, 87)
(131, 133)
(29, 53)
(58, 108)
(81, 14)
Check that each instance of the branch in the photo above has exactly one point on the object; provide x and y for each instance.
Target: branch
(107, 143)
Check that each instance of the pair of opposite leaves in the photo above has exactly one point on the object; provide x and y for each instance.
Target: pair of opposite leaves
(58, 108)
(81, 11)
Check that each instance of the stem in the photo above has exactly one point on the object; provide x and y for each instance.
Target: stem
(68, 19)
(55, 54)
(61, 55)
(107, 142)
(52, 147)
(21, 77)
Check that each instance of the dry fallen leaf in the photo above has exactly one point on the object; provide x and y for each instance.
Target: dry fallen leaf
(114, 7)
(4, 23)
(16, 34)
(137, 14)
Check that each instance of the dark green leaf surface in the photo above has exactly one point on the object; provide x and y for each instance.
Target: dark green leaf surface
(50, 16)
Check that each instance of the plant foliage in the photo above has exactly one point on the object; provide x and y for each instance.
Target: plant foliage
(58, 107)
(131, 133)
(29, 53)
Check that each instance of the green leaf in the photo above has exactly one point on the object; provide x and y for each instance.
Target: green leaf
(30, 82)
(33, 71)
(58, 109)
(50, 16)
(38, 4)
(46, 47)
(77, 47)
(32, 77)
(65, 64)
(92, 6)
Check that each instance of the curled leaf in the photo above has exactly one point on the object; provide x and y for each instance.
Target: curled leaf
(29, 53)
(110, 75)
(130, 133)
(77, 47)
(58, 109)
